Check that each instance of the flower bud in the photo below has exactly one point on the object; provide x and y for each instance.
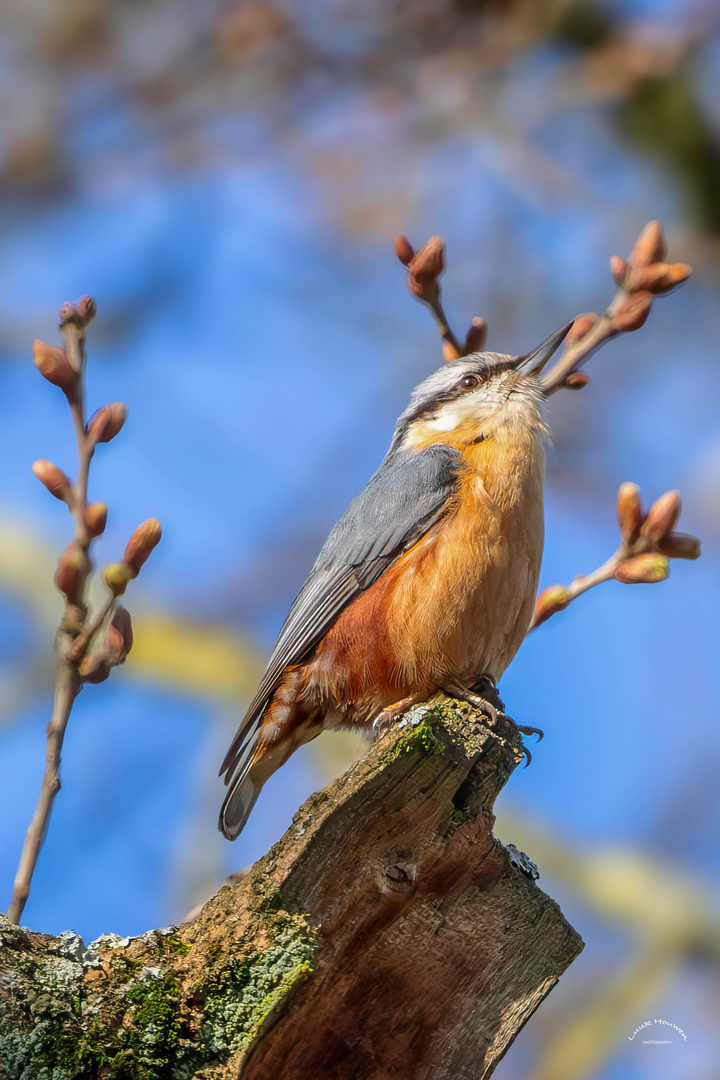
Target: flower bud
(425, 268)
(632, 312)
(107, 422)
(53, 478)
(96, 518)
(643, 570)
(629, 512)
(576, 380)
(650, 246)
(95, 668)
(141, 543)
(117, 576)
(119, 636)
(80, 312)
(404, 249)
(618, 269)
(661, 517)
(72, 571)
(476, 335)
(678, 545)
(658, 278)
(580, 326)
(551, 600)
(52, 363)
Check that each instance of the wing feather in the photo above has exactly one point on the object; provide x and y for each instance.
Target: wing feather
(406, 496)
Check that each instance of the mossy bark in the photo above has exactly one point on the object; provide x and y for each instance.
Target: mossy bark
(386, 934)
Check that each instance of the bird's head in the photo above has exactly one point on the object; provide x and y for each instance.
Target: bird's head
(481, 396)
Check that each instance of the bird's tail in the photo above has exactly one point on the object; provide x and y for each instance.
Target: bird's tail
(245, 780)
(238, 803)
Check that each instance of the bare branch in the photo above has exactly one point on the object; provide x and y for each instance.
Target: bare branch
(74, 664)
(641, 277)
(648, 541)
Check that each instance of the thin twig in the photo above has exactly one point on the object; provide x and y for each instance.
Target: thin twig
(67, 687)
(67, 679)
(441, 320)
(578, 351)
(647, 542)
(77, 629)
(81, 642)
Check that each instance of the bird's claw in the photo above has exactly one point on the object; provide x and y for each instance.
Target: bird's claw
(490, 710)
(526, 729)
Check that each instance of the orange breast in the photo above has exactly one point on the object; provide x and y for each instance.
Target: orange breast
(457, 605)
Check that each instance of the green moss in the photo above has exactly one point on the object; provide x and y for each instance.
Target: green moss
(247, 993)
(420, 738)
(173, 943)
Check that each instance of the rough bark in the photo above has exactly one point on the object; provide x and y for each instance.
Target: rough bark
(387, 934)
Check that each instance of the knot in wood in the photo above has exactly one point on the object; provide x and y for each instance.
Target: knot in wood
(398, 876)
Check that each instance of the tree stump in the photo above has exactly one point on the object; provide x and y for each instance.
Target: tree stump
(386, 935)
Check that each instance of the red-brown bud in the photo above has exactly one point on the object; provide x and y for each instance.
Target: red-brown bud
(96, 518)
(650, 246)
(618, 269)
(658, 278)
(680, 546)
(52, 363)
(141, 543)
(53, 478)
(80, 312)
(476, 335)
(580, 326)
(662, 517)
(643, 570)
(119, 635)
(72, 571)
(107, 422)
(629, 512)
(632, 312)
(426, 267)
(117, 576)
(576, 380)
(404, 249)
(95, 668)
(551, 600)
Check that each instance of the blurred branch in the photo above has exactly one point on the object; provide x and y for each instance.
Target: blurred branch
(671, 916)
(648, 541)
(87, 645)
(641, 277)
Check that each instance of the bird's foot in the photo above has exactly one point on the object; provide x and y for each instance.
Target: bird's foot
(388, 717)
(493, 709)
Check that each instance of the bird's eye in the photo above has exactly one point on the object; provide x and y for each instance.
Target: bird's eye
(469, 382)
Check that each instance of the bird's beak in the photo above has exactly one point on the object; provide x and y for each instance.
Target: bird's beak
(533, 363)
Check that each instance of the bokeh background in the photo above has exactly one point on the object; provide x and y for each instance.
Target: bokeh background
(225, 178)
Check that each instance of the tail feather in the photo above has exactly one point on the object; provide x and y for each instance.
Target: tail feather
(238, 803)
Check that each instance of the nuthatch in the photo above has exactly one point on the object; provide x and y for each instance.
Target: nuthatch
(426, 583)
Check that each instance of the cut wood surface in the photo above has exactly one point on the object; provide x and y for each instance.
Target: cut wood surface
(387, 934)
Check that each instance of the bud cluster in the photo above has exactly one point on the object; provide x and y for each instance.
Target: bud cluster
(424, 269)
(643, 275)
(64, 368)
(649, 539)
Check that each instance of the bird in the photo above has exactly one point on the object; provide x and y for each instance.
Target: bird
(427, 583)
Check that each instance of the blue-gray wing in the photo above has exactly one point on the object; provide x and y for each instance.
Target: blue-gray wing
(403, 500)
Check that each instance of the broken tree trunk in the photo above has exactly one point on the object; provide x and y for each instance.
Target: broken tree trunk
(387, 934)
